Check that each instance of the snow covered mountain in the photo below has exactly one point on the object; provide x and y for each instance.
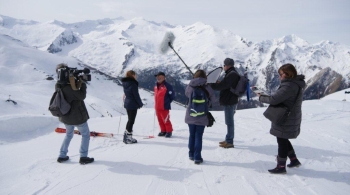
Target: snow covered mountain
(113, 46)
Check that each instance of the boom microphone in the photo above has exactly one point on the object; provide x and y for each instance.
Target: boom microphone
(168, 39)
(168, 42)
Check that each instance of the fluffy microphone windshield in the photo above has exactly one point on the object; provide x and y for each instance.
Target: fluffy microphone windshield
(164, 46)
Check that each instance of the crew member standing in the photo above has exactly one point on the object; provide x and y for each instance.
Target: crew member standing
(163, 96)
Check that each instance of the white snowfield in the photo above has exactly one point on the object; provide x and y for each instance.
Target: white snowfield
(29, 149)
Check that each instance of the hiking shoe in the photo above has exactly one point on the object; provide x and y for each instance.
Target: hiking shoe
(128, 139)
(197, 162)
(227, 145)
(223, 142)
(168, 135)
(161, 133)
(60, 159)
(86, 160)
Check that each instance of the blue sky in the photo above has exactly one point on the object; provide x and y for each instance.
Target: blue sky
(255, 20)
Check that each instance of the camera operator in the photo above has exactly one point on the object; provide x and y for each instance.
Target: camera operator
(74, 91)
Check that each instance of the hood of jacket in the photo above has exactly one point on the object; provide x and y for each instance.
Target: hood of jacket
(299, 80)
(127, 82)
(197, 82)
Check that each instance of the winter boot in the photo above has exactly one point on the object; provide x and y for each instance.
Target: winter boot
(60, 159)
(294, 162)
(161, 134)
(281, 166)
(128, 138)
(223, 142)
(86, 160)
(227, 145)
(168, 135)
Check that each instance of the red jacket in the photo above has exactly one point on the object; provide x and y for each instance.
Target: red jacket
(163, 96)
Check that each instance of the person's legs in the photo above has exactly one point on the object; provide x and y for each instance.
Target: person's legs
(229, 113)
(85, 139)
(198, 142)
(131, 120)
(191, 141)
(167, 122)
(283, 145)
(160, 120)
(66, 141)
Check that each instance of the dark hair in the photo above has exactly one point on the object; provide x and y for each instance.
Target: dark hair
(200, 73)
(130, 74)
(289, 70)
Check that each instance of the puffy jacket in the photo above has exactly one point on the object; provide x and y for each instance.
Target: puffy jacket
(189, 89)
(132, 97)
(163, 96)
(78, 113)
(287, 94)
(230, 80)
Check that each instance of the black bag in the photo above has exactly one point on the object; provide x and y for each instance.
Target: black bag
(58, 105)
(278, 114)
(211, 119)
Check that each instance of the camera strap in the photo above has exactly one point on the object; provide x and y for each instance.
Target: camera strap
(72, 83)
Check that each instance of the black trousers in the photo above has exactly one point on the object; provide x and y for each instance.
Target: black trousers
(131, 119)
(284, 146)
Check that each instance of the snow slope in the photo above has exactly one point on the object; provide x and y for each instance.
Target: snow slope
(161, 166)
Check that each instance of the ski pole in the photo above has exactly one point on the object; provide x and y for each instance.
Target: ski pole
(120, 117)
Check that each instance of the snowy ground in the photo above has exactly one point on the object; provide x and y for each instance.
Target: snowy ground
(161, 166)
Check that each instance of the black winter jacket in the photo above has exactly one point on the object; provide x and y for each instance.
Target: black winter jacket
(230, 80)
(132, 97)
(78, 113)
(287, 95)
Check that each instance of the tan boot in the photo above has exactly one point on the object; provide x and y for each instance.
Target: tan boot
(223, 142)
(227, 145)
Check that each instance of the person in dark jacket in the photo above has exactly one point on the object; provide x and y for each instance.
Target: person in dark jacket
(290, 94)
(197, 123)
(75, 93)
(228, 100)
(132, 102)
(163, 96)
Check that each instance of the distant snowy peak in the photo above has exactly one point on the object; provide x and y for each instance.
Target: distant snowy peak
(65, 38)
(9, 22)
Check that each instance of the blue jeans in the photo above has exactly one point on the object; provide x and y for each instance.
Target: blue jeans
(230, 111)
(195, 141)
(85, 139)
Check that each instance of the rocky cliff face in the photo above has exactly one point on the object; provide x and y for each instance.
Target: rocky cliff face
(65, 38)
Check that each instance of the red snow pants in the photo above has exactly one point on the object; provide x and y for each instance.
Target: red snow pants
(164, 121)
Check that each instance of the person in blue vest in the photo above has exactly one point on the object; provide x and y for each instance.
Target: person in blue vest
(132, 102)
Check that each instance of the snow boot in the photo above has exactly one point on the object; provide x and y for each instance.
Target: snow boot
(128, 139)
(161, 134)
(60, 159)
(294, 162)
(281, 166)
(168, 135)
(86, 160)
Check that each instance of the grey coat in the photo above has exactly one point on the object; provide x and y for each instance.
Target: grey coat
(286, 94)
(189, 89)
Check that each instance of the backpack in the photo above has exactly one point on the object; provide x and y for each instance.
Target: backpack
(200, 102)
(58, 105)
(241, 86)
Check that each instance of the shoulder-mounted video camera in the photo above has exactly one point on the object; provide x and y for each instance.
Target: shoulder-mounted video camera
(64, 73)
